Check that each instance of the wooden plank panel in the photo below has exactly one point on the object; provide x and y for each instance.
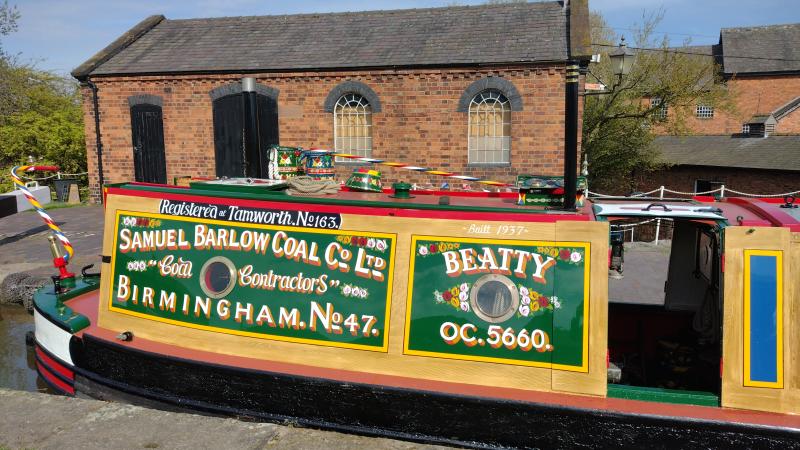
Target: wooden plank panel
(734, 393)
(594, 381)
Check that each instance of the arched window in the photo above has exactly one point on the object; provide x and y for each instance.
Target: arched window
(489, 128)
(352, 125)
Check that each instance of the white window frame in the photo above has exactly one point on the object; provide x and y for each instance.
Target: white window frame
(660, 113)
(704, 112)
(745, 128)
(478, 145)
(362, 109)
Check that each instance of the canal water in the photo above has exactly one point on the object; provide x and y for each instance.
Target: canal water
(17, 360)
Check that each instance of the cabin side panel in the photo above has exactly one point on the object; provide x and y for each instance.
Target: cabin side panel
(759, 353)
(477, 253)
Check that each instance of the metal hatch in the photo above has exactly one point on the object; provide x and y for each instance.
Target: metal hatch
(658, 209)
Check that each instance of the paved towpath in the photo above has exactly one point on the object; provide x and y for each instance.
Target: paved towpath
(43, 421)
(24, 246)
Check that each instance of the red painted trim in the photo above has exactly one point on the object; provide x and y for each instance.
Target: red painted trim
(769, 211)
(54, 365)
(54, 380)
(362, 210)
(704, 198)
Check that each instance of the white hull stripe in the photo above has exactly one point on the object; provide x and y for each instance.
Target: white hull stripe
(52, 338)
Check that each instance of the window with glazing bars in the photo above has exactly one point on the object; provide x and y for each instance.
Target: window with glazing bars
(659, 113)
(352, 126)
(704, 112)
(489, 134)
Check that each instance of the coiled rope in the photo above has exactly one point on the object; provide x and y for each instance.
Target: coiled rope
(307, 186)
(15, 175)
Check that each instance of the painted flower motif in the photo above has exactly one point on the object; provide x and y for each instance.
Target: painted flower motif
(465, 306)
(347, 239)
(423, 250)
(447, 295)
(524, 310)
(455, 302)
(463, 296)
(363, 293)
(464, 287)
(454, 291)
(555, 301)
(433, 248)
(371, 243)
(564, 254)
(543, 301)
(525, 300)
(575, 257)
(523, 291)
(381, 245)
(442, 247)
(346, 290)
(438, 296)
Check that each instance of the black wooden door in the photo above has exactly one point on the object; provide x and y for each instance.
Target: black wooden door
(228, 114)
(147, 132)
(228, 138)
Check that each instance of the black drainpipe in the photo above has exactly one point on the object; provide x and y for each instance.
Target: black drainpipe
(571, 137)
(252, 152)
(99, 140)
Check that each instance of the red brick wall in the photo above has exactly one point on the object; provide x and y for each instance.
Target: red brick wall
(753, 95)
(754, 181)
(418, 123)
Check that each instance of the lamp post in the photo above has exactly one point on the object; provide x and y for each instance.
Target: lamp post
(621, 60)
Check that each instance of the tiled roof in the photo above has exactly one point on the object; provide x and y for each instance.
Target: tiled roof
(505, 33)
(773, 152)
(774, 48)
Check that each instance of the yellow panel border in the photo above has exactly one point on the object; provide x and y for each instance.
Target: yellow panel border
(584, 367)
(384, 348)
(778, 254)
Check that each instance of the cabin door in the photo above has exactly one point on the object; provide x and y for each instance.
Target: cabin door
(147, 128)
(229, 149)
(761, 339)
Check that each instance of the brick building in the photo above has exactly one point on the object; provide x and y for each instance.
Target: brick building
(757, 148)
(478, 90)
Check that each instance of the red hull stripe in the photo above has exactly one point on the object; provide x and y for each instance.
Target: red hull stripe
(363, 210)
(53, 380)
(54, 365)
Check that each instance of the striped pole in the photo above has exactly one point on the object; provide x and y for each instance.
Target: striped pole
(399, 165)
(15, 174)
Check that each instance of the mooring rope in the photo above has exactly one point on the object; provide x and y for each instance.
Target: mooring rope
(38, 206)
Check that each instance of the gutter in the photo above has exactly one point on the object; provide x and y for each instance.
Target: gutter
(98, 136)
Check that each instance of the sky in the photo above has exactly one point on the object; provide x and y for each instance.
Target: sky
(59, 35)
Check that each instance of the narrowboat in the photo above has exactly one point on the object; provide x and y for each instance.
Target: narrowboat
(475, 319)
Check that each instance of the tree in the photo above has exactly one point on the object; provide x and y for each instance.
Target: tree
(40, 113)
(619, 126)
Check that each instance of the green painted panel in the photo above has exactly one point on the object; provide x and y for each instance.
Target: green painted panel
(326, 287)
(650, 394)
(52, 304)
(508, 301)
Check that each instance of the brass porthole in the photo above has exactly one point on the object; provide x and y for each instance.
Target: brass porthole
(218, 277)
(494, 298)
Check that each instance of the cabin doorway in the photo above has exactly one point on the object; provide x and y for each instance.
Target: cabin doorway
(147, 133)
(229, 147)
(665, 310)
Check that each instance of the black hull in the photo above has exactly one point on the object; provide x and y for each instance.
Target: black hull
(107, 370)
